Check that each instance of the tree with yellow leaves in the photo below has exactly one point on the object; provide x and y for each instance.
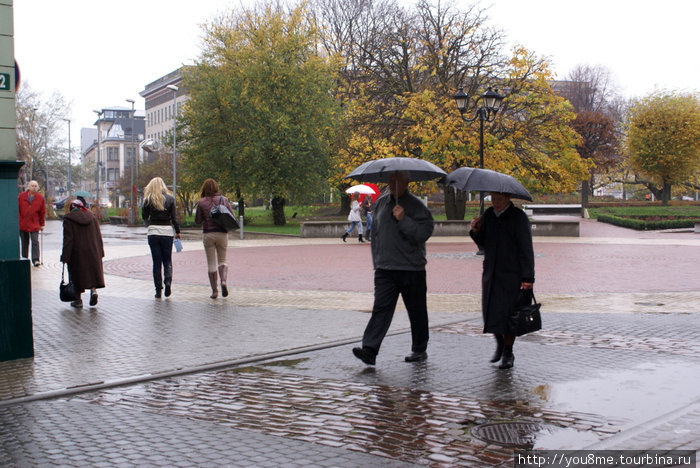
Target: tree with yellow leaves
(530, 138)
(663, 140)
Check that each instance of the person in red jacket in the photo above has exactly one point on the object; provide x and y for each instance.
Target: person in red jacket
(32, 210)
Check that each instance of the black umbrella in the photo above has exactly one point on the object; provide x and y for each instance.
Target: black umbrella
(378, 170)
(484, 180)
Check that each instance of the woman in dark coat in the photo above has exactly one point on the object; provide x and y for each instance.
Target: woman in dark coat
(83, 251)
(509, 269)
(160, 215)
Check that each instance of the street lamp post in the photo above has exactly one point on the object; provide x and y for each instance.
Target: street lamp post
(174, 89)
(132, 211)
(97, 166)
(491, 102)
(68, 184)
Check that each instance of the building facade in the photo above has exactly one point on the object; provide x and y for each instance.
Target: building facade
(163, 103)
(115, 147)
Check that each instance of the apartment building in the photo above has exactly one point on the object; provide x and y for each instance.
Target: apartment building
(163, 98)
(120, 130)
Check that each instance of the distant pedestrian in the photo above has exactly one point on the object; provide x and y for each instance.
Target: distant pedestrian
(367, 207)
(402, 224)
(214, 237)
(355, 219)
(83, 251)
(159, 212)
(32, 213)
(509, 269)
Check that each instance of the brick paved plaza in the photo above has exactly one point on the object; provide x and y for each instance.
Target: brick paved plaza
(266, 376)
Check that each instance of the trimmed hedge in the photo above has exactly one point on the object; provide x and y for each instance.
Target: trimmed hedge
(643, 225)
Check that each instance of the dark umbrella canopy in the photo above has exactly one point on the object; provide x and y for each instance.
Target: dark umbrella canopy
(379, 170)
(484, 180)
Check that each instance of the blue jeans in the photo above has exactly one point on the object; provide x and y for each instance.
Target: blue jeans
(352, 226)
(162, 254)
(368, 218)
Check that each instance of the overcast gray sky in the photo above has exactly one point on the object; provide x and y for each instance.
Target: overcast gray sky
(98, 54)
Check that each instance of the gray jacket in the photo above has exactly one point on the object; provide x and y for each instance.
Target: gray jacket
(400, 245)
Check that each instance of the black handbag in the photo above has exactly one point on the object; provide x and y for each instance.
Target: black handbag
(525, 318)
(222, 216)
(67, 291)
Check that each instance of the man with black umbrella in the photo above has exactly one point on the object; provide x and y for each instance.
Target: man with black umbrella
(401, 226)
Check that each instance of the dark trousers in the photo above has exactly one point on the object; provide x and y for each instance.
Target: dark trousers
(162, 254)
(25, 237)
(388, 284)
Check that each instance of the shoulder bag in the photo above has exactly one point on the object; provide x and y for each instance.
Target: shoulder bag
(67, 291)
(525, 318)
(222, 216)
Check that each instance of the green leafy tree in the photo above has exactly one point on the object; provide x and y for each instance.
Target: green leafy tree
(261, 112)
(663, 140)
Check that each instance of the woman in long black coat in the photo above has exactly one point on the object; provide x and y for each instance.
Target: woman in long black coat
(509, 269)
(83, 251)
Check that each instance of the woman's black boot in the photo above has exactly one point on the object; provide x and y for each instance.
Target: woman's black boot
(499, 349)
(345, 236)
(508, 358)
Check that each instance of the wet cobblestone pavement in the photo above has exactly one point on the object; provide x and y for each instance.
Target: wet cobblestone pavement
(266, 376)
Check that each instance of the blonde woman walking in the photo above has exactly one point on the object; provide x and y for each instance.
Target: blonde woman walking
(214, 237)
(159, 213)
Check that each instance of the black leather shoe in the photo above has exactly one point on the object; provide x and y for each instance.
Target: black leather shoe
(93, 299)
(78, 303)
(416, 357)
(167, 290)
(499, 349)
(365, 355)
(157, 296)
(508, 360)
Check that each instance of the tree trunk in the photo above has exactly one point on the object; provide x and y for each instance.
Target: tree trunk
(344, 204)
(585, 190)
(666, 194)
(454, 203)
(278, 211)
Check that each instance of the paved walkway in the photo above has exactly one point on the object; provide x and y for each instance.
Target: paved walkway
(265, 377)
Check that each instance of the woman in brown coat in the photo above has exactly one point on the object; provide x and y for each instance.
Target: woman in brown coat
(83, 251)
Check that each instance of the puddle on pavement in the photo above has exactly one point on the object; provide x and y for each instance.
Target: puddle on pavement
(638, 394)
(557, 438)
(285, 362)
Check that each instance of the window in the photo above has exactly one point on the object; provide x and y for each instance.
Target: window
(112, 174)
(129, 155)
(112, 153)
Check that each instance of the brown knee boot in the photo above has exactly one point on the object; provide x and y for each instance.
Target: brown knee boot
(212, 282)
(223, 273)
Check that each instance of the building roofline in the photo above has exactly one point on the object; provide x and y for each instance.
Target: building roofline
(155, 86)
